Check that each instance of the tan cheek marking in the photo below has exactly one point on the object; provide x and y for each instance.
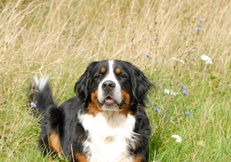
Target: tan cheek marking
(126, 98)
(80, 157)
(103, 70)
(54, 142)
(117, 71)
(93, 107)
(138, 158)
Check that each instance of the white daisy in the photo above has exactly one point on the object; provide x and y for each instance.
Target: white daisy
(206, 59)
(170, 92)
(176, 59)
(178, 138)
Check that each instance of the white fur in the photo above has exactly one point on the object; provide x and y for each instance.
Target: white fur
(117, 96)
(41, 82)
(109, 134)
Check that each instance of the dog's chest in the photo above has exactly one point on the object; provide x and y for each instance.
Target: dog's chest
(110, 136)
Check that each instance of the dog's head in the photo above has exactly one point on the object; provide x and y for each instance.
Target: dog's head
(112, 85)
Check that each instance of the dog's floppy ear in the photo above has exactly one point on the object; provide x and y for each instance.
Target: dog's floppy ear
(82, 86)
(140, 85)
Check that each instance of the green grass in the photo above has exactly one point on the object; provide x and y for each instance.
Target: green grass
(61, 38)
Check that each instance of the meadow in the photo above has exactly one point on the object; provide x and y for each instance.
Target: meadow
(191, 98)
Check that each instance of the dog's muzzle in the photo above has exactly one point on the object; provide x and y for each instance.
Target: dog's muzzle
(109, 100)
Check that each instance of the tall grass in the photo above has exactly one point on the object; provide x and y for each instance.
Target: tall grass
(60, 38)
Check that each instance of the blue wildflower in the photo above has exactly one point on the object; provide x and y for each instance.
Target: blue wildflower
(149, 102)
(33, 105)
(188, 114)
(157, 110)
(198, 28)
(166, 117)
(159, 85)
(184, 89)
(148, 55)
(201, 19)
(185, 92)
(182, 86)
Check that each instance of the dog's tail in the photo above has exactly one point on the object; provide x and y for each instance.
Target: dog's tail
(40, 98)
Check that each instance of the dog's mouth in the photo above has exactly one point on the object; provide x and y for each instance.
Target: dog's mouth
(110, 104)
(109, 101)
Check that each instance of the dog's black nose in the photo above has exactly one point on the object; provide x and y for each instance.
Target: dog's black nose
(108, 85)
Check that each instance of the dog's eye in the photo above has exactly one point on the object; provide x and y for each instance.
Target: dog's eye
(99, 76)
(122, 76)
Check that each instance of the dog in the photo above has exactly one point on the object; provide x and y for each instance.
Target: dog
(104, 122)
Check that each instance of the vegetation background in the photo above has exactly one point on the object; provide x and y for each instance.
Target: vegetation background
(164, 38)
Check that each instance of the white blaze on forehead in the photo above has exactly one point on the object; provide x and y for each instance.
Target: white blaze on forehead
(110, 76)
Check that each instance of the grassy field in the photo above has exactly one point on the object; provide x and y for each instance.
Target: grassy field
(61, 38)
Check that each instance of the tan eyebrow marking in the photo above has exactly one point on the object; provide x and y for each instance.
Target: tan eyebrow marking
(117, 71)
(103, 70)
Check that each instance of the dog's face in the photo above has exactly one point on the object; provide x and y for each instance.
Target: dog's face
(112, 85)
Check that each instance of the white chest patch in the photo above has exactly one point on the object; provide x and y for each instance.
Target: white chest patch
(109, 136)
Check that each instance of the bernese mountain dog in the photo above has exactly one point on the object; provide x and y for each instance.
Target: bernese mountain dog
(104, 122)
